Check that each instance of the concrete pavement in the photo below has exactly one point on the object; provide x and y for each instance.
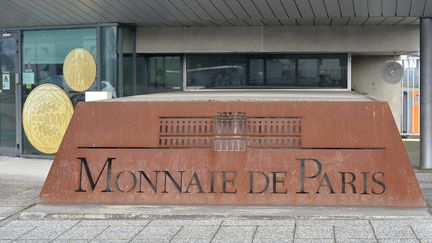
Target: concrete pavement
(20, 183)
(219, 230)
(22, 220)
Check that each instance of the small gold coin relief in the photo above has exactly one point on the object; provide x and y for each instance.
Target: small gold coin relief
(79, 69)
(46, 115)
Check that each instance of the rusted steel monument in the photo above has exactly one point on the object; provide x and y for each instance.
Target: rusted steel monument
(314, 153)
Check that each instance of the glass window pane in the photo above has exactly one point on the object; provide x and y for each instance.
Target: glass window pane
(256, 72)
(128, 50)
(308, 72)
(43, 55)
(141, 74)
(280, 72)
(266, 71)
(216, 71)
(164, 72)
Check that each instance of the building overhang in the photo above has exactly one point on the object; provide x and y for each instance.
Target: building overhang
(185, 13)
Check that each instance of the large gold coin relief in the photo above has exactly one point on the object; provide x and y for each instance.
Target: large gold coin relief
(79, 69)
(46, 115)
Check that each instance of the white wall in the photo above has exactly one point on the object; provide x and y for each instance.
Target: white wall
(367, 79)
(354, 39)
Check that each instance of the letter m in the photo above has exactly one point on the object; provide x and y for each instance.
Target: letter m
(84, 165)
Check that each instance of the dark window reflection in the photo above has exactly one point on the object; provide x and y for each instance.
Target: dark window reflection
(266, 71)
(158, 73)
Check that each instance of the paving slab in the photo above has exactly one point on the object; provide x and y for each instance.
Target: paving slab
(314, 232)
(83, 233)
(349, 232)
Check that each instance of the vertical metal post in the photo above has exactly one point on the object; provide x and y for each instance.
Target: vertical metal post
(426, 93)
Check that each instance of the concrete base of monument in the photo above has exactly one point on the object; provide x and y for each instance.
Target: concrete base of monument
(281, 149)
(207, 212)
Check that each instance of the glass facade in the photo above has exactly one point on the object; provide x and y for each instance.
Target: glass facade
(231, 71)
(126, 61)
(43, 54)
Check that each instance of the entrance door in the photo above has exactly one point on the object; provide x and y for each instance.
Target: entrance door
(8, 94)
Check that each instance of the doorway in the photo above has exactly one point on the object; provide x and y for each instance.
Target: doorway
(9, 90)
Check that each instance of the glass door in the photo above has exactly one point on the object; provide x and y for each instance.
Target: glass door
(8, 86)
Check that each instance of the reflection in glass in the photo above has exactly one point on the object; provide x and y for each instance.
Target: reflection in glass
(157, 73)
(127, 49)
(280, 72)
(8, 53)
(43, 55)
(266, 71)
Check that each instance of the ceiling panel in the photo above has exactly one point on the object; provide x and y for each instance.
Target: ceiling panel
(271, 22)
(340, 21)
(318, 8)
(254, 22)
(417, 7)
(90, 11)
(288, 22)
(58, 10)
(416, 22)
(223, 8)
(278, 9)
(347, 8)
(403, 7)
(291, 8)
(237, 9)
(206, 22)
(174, 10)
(9, 19)
(428, 9)
(333, 9)
(237, 22)
(375, 7)
(392, 20)
(163, 12)
(322, 21)
(104, 11)
(197, 9)
(264, 8)
(407, 20)
(361, 8)
(27, 12)
(357, 20)
(305, 21)
(305, 9)
(210, 9)
(45, 13)
(15, 13)
(146, 10)
(19, 17)
(82, 16)
(186, 11)
(124, 11)
(374, 20)
(250, 8)
(221, 22)
(389, 8)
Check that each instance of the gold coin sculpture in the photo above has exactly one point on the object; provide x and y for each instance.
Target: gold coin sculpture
(79, 69)
(46, 115)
